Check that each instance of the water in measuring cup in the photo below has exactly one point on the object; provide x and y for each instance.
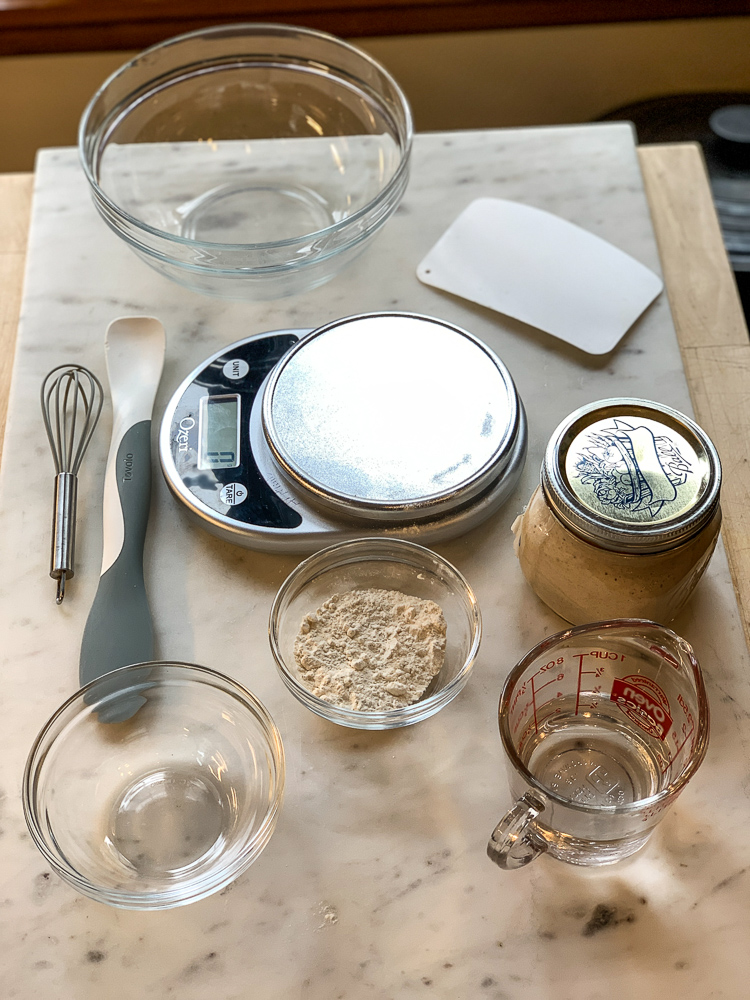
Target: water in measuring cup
(592, 758)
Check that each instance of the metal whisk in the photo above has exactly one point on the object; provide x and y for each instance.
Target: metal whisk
(72, 399)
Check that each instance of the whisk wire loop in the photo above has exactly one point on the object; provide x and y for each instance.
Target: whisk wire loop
(67, 449)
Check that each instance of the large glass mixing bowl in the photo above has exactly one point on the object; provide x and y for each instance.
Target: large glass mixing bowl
(155, 785)
(248, 161)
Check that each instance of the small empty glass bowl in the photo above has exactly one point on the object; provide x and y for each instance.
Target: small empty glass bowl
(155, 785)
(384, 564)
(250, 160)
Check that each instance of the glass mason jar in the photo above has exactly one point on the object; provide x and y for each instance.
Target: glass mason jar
(627, 514)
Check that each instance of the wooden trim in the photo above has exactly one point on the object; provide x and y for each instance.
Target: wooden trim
(711, 330)
(15, 212)
(37, 26)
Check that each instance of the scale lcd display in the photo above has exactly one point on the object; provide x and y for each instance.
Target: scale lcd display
(219, 432)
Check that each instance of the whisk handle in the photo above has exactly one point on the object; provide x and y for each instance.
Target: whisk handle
(62, 558)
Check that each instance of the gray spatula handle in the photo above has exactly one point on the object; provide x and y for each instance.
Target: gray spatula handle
(119, 630)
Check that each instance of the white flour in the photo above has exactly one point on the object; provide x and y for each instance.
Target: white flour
(371, 650)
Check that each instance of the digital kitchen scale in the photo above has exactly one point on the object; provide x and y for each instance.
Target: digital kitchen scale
(384, 423)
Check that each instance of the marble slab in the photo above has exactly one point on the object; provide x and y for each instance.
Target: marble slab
(376, 883)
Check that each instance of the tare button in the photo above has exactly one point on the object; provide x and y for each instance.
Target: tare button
(233, 493)
(236, 369)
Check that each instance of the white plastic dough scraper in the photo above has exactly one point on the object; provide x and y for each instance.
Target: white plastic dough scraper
(119, 630)
(543, 270)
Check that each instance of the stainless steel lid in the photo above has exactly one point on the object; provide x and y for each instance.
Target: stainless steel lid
(631, 475)
(391, 416)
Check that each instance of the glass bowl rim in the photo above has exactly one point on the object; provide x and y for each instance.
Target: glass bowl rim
(395, 717)
(239, 28)
(197, 888)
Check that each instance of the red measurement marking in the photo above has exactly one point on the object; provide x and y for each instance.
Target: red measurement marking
(688, 714)
(555, 680)
(580, 675)
(533, 701)
(679, 748)
(549, 666)
(678, 751)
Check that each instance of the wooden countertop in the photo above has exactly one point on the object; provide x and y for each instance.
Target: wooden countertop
(707, 313)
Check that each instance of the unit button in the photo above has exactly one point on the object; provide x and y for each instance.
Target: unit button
(233, 493)
(235, 369)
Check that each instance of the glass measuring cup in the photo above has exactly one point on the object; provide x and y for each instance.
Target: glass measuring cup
(603, 726)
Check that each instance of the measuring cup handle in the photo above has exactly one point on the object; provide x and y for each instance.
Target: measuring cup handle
(511, 844)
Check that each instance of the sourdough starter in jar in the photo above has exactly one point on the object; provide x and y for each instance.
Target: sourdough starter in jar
(627, 514)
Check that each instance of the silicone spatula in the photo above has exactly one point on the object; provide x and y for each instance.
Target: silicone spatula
(119, 630)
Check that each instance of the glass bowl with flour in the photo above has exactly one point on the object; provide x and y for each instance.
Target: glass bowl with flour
(375, 633)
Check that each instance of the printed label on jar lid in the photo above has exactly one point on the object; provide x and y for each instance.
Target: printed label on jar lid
(632, 469)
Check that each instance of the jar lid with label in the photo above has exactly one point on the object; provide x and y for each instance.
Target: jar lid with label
(631, 475)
